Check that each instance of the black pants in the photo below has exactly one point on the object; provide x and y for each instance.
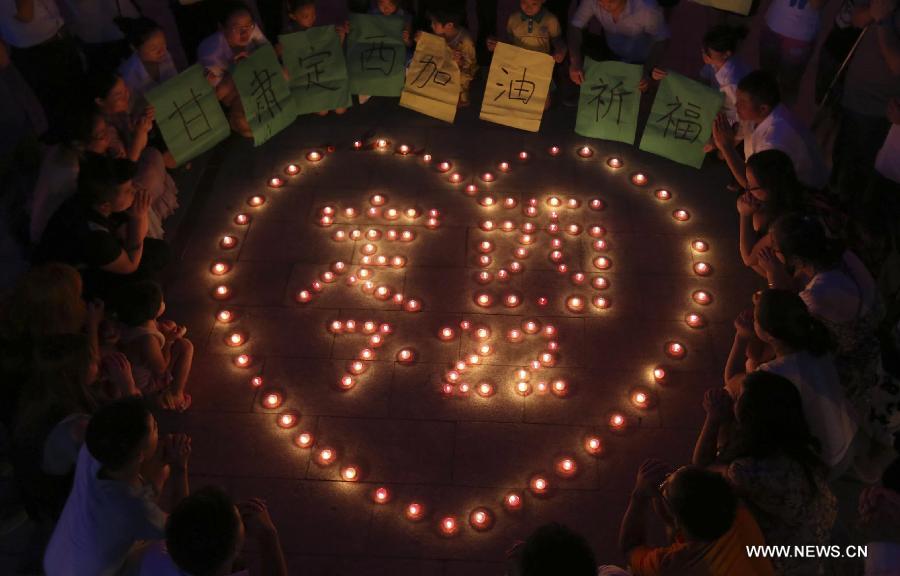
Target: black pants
(53, 70)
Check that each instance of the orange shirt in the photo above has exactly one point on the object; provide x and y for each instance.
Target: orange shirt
(727, 556)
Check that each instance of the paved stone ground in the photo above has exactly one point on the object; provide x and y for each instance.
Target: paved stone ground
(452, 454)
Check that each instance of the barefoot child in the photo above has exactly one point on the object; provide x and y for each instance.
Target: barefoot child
(159, 353)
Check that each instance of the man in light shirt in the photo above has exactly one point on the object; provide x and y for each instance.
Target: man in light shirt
(773, 127)
(634, 30)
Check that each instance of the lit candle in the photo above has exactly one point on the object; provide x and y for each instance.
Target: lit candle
(381, 495)
(617, 422)
(287, 420)
(350, 473)
(600, 302)
(376, 340)
(483, 299)
(573, 229)
(228, 242)
(221, 292)
(523, 155)
(446, 334)
(382, 292)
(585, 152)
(512, 501)
(695, 320)
(412, 213)
(456, 178)
(347, 382)
(444, 166)
(487, 225)
(509, 202)
(560, 387)
(600, 245)
(304, 440)
(640, 398)
(596, 231)
(225, 316)
(484, 277)
(573, 203)
(659, 374)
(481, 333)
(316, 286)
(699, 246)
(503, 166)
(357, 144)
(487, 200)
(366, 354)
(530, 211)
(615, 163)
(487, 177)
(702, 269)
(391, 214)
(414, 511)
(276, 182)
(523, 388)
(539, 485)
(681, 215)
(702, 297)
(314, 156)
(219, 268)
(546, 359)
(554, 202)
(403, 149)
(432, 223)
(602, 262)
(531, 326)
(465, 324)
(381, 143)
(386, 328)
(326, 221)
(485, 350)
(235, 339)
(663, 194)
(516, 267)
(514, 335)
(327, 276)
(357, 367)
(593, 445)
(407, 236)
(485, 246)
(575, 303)
(406, 356)
(463, 388)
(542, 301)
(292, 170)
(326, 456)
(521, 253)
(554, 150)
(256, 381)
(242, 219)
(639, 179)
(271, 400)
(471, 189)
(549, 331)
(426, 158)
(508, 226)
(566, 467)
(412, 305)
(512, 300)
(556, 255)
(578, 278)
(481, 519)
(485, 389)
(350, 326)
(675, 350)
(339, 236)
(449, 526)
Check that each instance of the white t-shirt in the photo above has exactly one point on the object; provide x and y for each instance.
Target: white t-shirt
(155, 561)
(100, 523)
(795, 19)
(824, 403)
(217, 57)
(47, 22)
(888, 160)
(781, 130)
(727, 79)
(835, 294)
(630, 37)
(92, 20)
(139, 81)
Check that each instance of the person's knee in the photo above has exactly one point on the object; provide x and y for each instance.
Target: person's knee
(184, 347)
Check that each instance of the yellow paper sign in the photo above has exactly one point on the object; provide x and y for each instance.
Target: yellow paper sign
(736, 6)
(432, 80)
(517, 87)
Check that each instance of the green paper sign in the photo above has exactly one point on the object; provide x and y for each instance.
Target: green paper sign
(376, 55)
(315, 63)
(264, 93)
(609, 101)
(188, 114)
(681, 120)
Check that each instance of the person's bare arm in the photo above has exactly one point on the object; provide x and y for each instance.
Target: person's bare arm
(723, 137)
(130, 258)
(260, 527)
(24, 10)
(632, 530)
(576, 64)
(178, 453)
(719, 407)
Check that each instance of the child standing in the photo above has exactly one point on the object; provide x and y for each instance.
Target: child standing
(534, 28)
(159, 353)
(237, 38)
(448, 25)
(301, 17)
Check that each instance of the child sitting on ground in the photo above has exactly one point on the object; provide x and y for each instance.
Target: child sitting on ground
(448, 25)
(159, 353)
(302, 17)
(237, 38)
(534, 28)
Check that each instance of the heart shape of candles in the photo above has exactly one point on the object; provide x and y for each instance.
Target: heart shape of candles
(552, 225)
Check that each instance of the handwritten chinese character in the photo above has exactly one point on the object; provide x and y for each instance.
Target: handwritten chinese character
(433, 74)
(313, 64)
(613, 98)
(266, 102)
(521, 90)
(192, 117)
(685, 127)
(379, 57)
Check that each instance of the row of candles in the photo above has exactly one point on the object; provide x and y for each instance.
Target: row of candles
(480, 518)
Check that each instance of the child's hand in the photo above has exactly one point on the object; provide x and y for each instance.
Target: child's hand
(178, 450)
(145, 122)
(644, 84)
(406, 37)
(743, 324)
(141, 205)
(118, 370)
(255, 515)
(769, 261)
(458, 57)
(746, 204)
(718, 405)
(238, 56)
(491, 43)
(559, 55)
(723, 133)
(658, 74)
(576, 74)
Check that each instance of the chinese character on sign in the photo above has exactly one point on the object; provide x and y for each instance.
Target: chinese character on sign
(430, 73)
(378, 57)
(312, 65)
(266, 102)
(193, 118)
(606, 100)
(685, 126)
(521, 90)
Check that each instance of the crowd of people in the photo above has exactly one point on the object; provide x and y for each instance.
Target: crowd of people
(810, 394)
